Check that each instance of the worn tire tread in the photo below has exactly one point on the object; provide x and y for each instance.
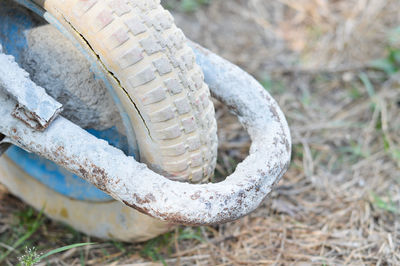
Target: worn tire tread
(139, 44)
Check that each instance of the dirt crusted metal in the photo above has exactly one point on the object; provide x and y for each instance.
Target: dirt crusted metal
(138, 187)
(34, 107)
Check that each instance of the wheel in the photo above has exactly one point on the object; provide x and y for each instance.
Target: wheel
(143, 55)
(156, 78)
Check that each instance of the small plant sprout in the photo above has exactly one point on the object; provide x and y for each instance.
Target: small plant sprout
(30, 257)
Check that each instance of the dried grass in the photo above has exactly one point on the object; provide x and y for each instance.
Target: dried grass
(340, 201)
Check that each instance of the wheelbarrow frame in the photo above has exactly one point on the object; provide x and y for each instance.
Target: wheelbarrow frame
(133, 183)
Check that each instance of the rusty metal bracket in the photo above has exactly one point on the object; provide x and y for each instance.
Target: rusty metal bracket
(135, 185)
(34, 106)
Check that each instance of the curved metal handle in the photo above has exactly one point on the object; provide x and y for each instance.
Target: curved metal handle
(135, 185)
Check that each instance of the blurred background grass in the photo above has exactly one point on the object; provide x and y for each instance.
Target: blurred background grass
(333, 66)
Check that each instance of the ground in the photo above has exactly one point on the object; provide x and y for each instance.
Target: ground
(333, 68)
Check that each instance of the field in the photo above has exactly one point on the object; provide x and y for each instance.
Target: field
(333, 66)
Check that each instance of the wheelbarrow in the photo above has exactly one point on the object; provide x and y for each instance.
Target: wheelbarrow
(113, 129)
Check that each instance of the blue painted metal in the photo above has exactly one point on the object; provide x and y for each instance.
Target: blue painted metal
(59, 179)
(14, 20)
(56, 177)
(95, 68)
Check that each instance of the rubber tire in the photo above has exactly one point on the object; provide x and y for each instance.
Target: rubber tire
(146, 58)
(175, 127)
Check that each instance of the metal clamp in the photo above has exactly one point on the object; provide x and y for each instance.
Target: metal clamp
(135, 185)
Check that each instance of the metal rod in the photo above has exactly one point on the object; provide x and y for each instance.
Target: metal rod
(135, 185)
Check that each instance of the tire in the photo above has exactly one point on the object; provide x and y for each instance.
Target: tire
(163, 91)
(147, 60)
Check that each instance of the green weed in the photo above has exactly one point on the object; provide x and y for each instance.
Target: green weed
(367, 84)
(272, 86)
(120, 246)
(354, 152)
(31, 257)
(186, 5)
(28, 224)
(391, 149)
(191, 234)
(369, 87)
(193, 5)
(354, 93)
(390, 64)
(164, 244)
(154, 248)
(385, 205)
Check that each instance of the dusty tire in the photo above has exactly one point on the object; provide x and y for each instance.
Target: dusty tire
(163, 91)
(147, 59)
